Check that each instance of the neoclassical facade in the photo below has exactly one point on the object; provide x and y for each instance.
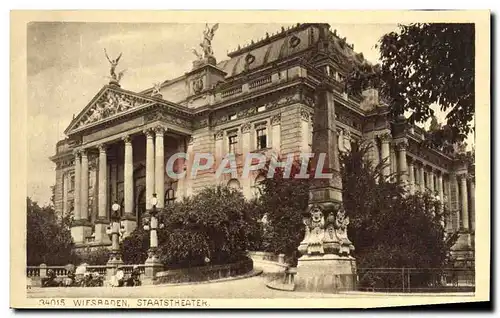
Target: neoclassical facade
(260, 99)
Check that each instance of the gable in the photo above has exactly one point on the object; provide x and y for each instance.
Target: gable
(108, 104)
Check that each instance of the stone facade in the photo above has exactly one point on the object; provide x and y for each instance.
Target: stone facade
(261, 99)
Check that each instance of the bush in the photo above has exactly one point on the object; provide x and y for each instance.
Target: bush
(217, 224)
(98, 256)
(48, 240)
(214, 225)
(135, 246)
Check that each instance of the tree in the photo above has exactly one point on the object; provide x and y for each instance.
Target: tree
(424, 64)
(389, 227)
(215, 226)
(47, 239)
(282, 201)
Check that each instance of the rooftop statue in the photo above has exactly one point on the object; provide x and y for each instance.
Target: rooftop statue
(208, 36)
(114, 62)
(156, 89)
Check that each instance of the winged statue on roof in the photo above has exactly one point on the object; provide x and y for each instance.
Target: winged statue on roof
(113, 64)
(208, 36)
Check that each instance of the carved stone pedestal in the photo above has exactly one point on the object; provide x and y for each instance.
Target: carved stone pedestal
(151, 267)
(80, 230)
(326, 273)
(114, 262)
(464, 242)
(101, 236)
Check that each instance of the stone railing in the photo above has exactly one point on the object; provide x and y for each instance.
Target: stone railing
(231, 92)
(35, 274)
(267, 256)
(260, 82)
(204, 273)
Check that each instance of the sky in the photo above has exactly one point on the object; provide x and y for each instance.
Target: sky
(67, 67)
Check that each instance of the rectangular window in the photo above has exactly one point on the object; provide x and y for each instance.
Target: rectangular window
(261, 138)
(233, 143)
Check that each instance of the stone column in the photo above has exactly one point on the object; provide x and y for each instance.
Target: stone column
(188, 189)
(386, 153)
(472, 196)
(276, 132)
(411, 176)
(84, 191)
(304, 131)
(422, 177)
(128, 187)
(182, 164)
(440, 185)
(219, 147)
(65, 194)
(76, 232)
(403, 169)
(150, 167)
(246, 147)
(431, 181)
(160, 167)
(465, 203)
(102, 220)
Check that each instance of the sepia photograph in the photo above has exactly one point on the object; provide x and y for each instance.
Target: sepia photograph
(239, 161)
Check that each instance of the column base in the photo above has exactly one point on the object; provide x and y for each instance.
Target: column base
(464, 242)
(328, 273)
(100, 234)
(130, 223)
(79, 232)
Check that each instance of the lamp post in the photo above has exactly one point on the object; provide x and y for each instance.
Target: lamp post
(151, 225)
(115, 230)
(152, 264)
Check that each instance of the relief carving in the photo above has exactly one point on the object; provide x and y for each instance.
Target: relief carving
(109, 104)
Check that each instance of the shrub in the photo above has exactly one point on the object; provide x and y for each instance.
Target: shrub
(98, 256)
(217, 224)
(48, 240)
(213, 224)
(135, 246)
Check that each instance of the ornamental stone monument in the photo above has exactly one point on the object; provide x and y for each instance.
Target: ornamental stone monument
(326, 264)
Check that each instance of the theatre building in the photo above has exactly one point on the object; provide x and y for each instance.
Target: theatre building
(260, 99)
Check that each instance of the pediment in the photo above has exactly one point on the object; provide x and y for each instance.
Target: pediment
(109, 103)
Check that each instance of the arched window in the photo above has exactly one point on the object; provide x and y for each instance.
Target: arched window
(169, 196)
(234, 184)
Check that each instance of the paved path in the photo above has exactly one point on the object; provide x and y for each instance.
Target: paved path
(251, 287)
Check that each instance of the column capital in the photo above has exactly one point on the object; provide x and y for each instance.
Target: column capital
(191, 140)
(148, 132)
(304, 114)
(77, 152)
(127, 139)
(102, 147)
(219, 135)
(159, 130)
(401, 145)
(385, 137)
(84, 152)
(276, 119)
(246, 128)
